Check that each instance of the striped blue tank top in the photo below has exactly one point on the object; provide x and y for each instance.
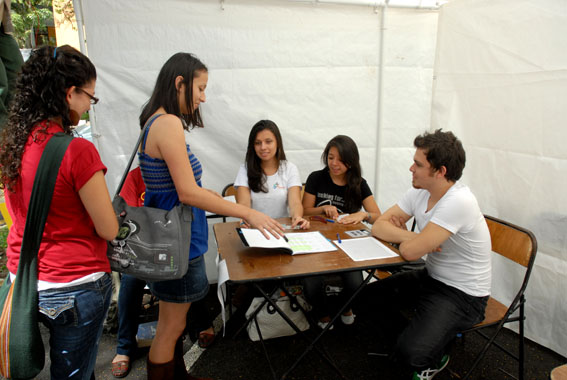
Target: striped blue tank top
(161, 193)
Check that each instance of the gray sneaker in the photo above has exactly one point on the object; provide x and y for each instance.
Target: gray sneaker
(429, 373)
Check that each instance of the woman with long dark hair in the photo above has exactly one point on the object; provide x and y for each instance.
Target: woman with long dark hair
(172, 174)
(337, 189)
(56, 86)
(267, 182)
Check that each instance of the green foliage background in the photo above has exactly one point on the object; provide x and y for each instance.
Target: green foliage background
(28, 14)
(3, 237)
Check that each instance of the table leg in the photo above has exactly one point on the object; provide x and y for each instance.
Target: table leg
(264, 346)
(312, 344)
(255, 312)
(323, 354)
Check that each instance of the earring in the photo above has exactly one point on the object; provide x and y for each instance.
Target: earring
(74, 117)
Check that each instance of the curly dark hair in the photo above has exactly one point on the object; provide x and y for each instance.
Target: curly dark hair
(351, 159)
(41, 95)
(443, 149)
(256, 176)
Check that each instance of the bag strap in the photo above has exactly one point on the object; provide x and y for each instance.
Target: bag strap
(41, 196)
(133, 155)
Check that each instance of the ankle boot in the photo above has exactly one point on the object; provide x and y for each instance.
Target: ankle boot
(161, 371)
(180, 369)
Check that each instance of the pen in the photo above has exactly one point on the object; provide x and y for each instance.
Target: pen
(285, 238)
(330, 220)
(339, 238)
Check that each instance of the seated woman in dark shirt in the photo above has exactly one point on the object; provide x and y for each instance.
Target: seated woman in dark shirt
(336, 189)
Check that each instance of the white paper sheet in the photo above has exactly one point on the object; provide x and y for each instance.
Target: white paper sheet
(364, 249)
(309, 242)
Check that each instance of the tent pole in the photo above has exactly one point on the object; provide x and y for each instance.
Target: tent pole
(78, 6)
(371, 3)
(380, 97)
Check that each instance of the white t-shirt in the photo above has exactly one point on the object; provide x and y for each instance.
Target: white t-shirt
(274, 202)
(465, 258)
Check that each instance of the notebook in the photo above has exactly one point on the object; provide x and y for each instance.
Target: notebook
(297, 242)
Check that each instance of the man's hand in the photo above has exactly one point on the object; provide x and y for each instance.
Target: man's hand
(398, 222)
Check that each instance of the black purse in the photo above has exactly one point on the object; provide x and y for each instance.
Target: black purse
(152, 243)
(22, 355)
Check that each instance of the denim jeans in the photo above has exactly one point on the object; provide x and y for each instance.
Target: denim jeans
(190, 288)
(440, 312)
(74, 317)
(129, 302)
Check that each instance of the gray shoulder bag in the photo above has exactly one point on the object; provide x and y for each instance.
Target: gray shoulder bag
(152, 243)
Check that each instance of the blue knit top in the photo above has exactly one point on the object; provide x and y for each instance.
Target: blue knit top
(161, 193)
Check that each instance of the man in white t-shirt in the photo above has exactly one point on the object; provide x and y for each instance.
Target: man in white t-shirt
(450, 294)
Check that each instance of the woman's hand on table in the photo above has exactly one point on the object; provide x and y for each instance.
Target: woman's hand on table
(243, 224)
(330, 211)
(299, 221)
(264, 224)
(357, 217)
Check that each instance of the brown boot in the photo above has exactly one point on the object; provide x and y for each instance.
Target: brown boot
(180, 369)
(161, 371)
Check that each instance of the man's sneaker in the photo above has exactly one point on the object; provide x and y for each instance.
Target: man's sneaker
(348, 319)
(429, 373)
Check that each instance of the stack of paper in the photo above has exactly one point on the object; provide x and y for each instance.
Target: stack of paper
(367, 248)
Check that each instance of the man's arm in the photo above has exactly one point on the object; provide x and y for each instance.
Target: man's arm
(427, 241)
(412, 245)
(385, 229)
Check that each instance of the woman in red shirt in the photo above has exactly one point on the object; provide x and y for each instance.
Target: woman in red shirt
(55, 88)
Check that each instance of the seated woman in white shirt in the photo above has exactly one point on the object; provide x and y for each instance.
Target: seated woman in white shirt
(267, 182)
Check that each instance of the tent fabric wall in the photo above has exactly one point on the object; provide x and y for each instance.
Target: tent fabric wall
(409, 53)
(310, 68)
(501, 86)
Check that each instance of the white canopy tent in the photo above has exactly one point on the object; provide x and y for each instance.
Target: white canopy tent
(315, 68)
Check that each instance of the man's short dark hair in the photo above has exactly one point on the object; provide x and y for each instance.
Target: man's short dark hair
(443, 149)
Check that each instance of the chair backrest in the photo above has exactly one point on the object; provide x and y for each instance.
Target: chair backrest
(511, 241)
(515, 243)
(229, 190)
